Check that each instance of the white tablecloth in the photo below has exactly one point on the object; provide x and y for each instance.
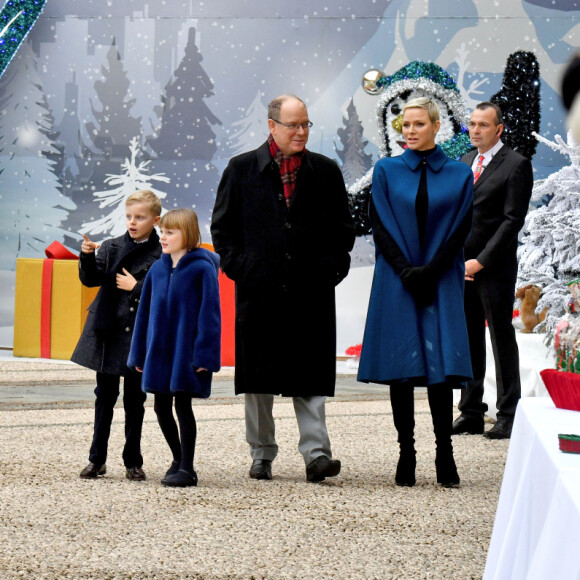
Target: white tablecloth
(536, 534)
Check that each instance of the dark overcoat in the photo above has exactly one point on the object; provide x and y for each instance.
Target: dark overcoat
(178, 328)
(404, 340)
(108, 352)
(285, 263)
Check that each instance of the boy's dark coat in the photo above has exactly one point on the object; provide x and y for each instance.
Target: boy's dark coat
(108, 354)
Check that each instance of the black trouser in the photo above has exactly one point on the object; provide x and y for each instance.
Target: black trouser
(491, 298)
(107, 393)
(182, 442)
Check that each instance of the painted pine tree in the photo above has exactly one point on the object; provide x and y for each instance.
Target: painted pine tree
(251, 131)
(185, 122)
(354, 161)
(104, 143)
(113, 126)
(134, 177)
(33, 207)
(185, 143)
(549, 254)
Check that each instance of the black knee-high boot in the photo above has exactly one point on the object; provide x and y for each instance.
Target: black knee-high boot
(403, 405)
(441, 404)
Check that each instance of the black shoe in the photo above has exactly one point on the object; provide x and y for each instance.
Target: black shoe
(261, 469)
(173, 469)
(91, 471)
(322, 467)
(180, 479)
(135, 474)
(446, 470)
(405, 475)
(472, 425)
(501, 430)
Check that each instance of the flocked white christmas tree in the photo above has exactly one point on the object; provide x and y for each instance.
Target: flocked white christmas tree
(549, 255)
(133, 178)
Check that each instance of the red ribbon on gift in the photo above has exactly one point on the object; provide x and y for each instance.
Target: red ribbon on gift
(56, 251)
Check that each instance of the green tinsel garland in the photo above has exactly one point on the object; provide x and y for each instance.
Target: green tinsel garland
(416, 69)
(17, 17)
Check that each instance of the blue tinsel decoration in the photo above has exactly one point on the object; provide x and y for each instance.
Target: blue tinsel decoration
(17, 17)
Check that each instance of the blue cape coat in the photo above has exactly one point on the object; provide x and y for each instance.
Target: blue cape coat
(178, 327)
(402, 340)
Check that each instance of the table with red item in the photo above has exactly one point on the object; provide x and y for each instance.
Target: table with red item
(536, 533)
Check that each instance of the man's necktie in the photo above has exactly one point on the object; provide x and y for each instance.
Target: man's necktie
(478, 169)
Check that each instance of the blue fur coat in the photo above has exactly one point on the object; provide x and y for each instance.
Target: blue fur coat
(178, 327)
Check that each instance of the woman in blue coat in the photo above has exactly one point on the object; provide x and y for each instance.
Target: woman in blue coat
(415, 331)
(176, 342)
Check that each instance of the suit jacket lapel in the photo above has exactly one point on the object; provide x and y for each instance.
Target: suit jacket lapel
(491, 166)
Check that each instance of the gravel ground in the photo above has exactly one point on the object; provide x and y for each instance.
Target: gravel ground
(45, 372)
(49, 372)
(358, 525)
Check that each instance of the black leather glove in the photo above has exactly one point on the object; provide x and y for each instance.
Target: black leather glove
(420, 282)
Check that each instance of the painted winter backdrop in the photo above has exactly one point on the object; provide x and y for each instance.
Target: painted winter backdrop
(163, 94)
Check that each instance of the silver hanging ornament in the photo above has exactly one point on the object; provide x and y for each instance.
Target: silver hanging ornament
(370, 81)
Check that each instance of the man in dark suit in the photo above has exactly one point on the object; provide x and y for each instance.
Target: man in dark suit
(502, 189)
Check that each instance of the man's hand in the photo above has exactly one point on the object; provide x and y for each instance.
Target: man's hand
(126, 281)
(88, 247)
(472, 267)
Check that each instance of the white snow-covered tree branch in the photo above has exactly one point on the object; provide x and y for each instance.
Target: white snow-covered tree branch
(549, 255)
(133, 178)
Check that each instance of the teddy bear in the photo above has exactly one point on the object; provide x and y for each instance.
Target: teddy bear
(529, 296)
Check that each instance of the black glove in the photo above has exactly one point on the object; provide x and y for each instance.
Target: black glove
(420, 282)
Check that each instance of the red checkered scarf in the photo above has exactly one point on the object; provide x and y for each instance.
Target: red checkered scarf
(289, 167)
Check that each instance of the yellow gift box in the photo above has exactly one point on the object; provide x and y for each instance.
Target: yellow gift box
(49, 315)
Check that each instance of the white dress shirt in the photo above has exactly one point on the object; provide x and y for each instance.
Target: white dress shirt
(487, 156)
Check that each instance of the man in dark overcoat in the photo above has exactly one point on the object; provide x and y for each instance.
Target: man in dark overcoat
(501, 196)
(282, 227)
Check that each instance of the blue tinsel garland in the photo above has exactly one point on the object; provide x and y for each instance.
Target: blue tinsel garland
(17, 17)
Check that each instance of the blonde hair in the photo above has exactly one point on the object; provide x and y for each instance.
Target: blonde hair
(146, 196)
(424, 103)
(186, 221)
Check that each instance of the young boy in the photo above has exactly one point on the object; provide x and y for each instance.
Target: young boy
(119, 268)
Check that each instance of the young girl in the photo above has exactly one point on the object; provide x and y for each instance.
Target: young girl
(176, 342)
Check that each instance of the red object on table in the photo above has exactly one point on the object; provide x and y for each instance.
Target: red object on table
(563, 387)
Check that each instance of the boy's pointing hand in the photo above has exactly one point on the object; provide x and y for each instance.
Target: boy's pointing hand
(88, 247)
